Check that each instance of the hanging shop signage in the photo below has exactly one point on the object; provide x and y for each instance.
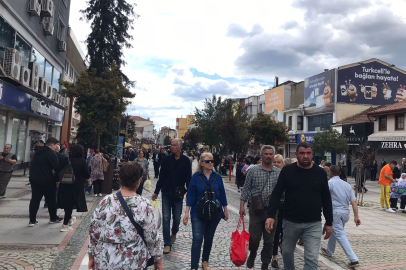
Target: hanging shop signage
(357, 133)
(17, 99)
(319, 93)
(392, 145)
(292, 138)
(306, 137)
(372, 84)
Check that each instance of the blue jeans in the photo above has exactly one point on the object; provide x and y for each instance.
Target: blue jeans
(311, 232)
(202, 229)
(169, 205)
(87, 188)
(339, 220)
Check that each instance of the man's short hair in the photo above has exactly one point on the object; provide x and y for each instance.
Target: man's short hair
(180, 142)
(394, 162)
(264, 147)
(8, 145)
(305, 145)
(335, 170)
(51, 141)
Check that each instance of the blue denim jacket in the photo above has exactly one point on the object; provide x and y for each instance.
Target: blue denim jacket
(196, 190)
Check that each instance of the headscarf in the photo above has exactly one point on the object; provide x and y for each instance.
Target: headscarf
(402, 181)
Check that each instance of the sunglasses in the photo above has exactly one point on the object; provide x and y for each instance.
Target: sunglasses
(208, 161)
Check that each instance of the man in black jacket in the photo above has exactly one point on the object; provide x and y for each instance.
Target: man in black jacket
(175, 173)
(157, 159)
(43, 181)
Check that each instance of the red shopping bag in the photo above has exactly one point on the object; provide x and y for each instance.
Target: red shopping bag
(239, 245)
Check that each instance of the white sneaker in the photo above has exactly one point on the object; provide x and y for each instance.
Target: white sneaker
(94, 195)
(390, 210)
(100, 195)
(72, 221)
(66, 228)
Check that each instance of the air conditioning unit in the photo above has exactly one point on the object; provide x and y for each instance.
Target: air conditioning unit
(12, 63)
(62, 46)
(58, 98)
(47, 9)
(49, 28)
(25, 75)
(43, 85)
(49, 90)
(34, 84)
(34, 7)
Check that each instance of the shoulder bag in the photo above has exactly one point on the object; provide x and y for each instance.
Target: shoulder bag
(68, 175)
(179, 191)
(139, 229)
(257, 205)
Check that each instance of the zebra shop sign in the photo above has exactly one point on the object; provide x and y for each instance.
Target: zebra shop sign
(392, 145)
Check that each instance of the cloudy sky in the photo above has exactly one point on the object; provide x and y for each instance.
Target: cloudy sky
(186, 50)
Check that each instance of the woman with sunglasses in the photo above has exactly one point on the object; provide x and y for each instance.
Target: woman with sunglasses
(204, 229)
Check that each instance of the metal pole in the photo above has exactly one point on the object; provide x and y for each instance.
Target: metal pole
(230, 171)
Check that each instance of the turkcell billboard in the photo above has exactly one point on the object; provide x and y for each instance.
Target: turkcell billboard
(371, 84)
(319, 93)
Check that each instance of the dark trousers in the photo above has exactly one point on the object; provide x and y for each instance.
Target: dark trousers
(202, 230)
(394, 202)
(4, 180)
(373, 175)
(156, 169)
(87, 187)
(49, 192)
(175, 206)
(97, 186)
(278, 234)
(141, 186)
(257, 231)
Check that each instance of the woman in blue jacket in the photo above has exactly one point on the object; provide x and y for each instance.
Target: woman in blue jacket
(204, 229)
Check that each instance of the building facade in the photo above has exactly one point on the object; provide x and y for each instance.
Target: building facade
(182, 125)
(32, 58)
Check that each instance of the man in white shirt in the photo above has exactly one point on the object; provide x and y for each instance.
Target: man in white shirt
(341, 195)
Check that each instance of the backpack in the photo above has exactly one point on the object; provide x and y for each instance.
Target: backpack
(208, 207)
(68, 174)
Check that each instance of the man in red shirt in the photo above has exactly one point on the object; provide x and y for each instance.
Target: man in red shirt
(385, 180)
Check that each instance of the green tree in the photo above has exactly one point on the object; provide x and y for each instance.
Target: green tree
(330, 140)
(100, 100)
(190, 139)
(167, 140)
(264, 130)
(111, 23)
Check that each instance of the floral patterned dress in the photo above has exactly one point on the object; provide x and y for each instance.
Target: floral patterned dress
(96, 164)
(114, 241)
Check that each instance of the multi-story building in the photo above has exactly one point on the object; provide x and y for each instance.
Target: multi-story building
(182, 125)
(33, 46)
(145, 130)
(164, 132)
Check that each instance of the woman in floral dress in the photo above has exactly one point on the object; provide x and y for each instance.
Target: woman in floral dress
(114, 241)
(97, 175)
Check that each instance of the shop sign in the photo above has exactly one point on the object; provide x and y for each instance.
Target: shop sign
(306, 137)
(319, 93)
(292, 138)
(357, 133)
(274, 103)
(40, 107)
(391, 138)
(372, 83)
(392, 145)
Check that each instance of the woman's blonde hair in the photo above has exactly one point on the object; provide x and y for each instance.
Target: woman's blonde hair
(279, 158)
(202, 157)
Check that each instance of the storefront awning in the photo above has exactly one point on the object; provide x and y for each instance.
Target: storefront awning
(387, 136)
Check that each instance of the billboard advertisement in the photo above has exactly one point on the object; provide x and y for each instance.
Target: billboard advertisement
(371, 84)
(274, 103)
(319, 93)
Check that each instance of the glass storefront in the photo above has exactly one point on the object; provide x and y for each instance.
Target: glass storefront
(3, 121)
(18, 135)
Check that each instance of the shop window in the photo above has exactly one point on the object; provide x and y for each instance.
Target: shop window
(399, 122)
(55, 80)
(48, 71)
(383, 123)
(39, 59)
(24, 48)
(7, 35)
(320, 122)
(290, 123)
(300, 123)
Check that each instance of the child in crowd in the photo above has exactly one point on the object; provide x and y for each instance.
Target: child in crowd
(398, 191)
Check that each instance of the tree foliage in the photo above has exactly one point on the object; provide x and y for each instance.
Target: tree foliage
(190, 139)
(167, 140)
(330, 140)
(127, 126)
(264, 130)
(222, 125)
(111, 23)
(100, 101)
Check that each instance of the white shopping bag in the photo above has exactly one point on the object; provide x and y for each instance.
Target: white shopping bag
(147, 185)
(157, 214)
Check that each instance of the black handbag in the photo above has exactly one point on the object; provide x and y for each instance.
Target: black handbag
(179, 191)
(139, 229)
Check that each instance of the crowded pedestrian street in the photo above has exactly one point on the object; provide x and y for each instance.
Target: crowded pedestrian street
(379, 241)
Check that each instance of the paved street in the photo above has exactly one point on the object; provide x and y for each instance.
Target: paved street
(380, 242)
